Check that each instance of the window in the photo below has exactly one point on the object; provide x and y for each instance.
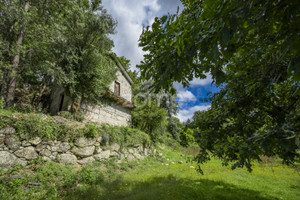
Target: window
(117, 88)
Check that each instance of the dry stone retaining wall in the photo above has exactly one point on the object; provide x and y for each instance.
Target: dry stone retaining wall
(15, 150)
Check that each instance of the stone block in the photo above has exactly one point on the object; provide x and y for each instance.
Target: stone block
(63, 147)
(2, 139)
(7, 159)
(67, 158)
(8, 131)
(114, 154)
(25, 143)
(103, 155)
(98, 150)
(45, 152)
(84, 142)
(130, 158)
(83, 152)
(12, 143)
(28, 153)
(21, 162)
(115, 147)
(87, 160)
(35, 141)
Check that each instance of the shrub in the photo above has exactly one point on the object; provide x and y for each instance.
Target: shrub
(187, 137)
(149, 117)
(78, 116)
(125, 135)
(91, 130)
(174, 127)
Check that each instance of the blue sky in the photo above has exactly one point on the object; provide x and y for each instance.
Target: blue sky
(132, 16)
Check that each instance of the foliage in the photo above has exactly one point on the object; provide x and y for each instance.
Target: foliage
(153, 112)
(84, 66)
(31, 124)
(66, 43)
(174, 127)
(252, 51)
(43, 126)
(148, 118)
(126, 136)
(78, 116)
(125, 63)
(187, 137)
(91, 130)
(209, 35)
(242, 130)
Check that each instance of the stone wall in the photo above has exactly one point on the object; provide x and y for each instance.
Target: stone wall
(125, 87)
(112, 114)
(17, 150)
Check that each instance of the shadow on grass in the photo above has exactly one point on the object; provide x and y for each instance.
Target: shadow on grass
(166, 188)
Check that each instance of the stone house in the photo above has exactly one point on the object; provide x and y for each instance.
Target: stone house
(117, 112)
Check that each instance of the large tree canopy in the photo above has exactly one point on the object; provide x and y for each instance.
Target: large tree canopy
(45, 43)
(252, 50)
(213, 35)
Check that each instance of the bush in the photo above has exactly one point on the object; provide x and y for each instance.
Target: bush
(79, 116)
(149, 117)
(187, 137)
(91, 130)
(174, 127)
(43, 126)
(125, 135)
(32, 125)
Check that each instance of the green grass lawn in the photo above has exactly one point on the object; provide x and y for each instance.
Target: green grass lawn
(152, 178)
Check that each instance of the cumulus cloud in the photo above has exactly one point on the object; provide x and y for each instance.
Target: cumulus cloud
(184, 96)
(185, 114)
(132, 16)
(201, 82)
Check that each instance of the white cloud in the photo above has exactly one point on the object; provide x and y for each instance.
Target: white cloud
(184, 115)
(201, 82)
(132, 15)
(185, 96)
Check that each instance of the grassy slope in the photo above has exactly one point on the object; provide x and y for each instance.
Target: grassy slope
(153, 179)
(156, 180)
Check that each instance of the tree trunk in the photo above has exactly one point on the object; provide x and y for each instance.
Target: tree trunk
(11, 88)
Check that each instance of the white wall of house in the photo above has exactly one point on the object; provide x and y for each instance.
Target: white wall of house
(113, 114)
(125, 87)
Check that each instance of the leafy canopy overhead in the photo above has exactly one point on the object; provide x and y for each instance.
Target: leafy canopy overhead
(217, 35)
(252, 50)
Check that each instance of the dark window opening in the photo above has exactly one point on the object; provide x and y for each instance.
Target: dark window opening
(117, 88)
(61, 102)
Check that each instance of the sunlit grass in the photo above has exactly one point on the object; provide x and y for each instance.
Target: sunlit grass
(167, 179)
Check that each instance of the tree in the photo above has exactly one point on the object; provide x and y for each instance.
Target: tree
(21, 21)
(252, 50)
(83, 62)
(149, 117)
(61, 43)
(174, 127)
(209, 36)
